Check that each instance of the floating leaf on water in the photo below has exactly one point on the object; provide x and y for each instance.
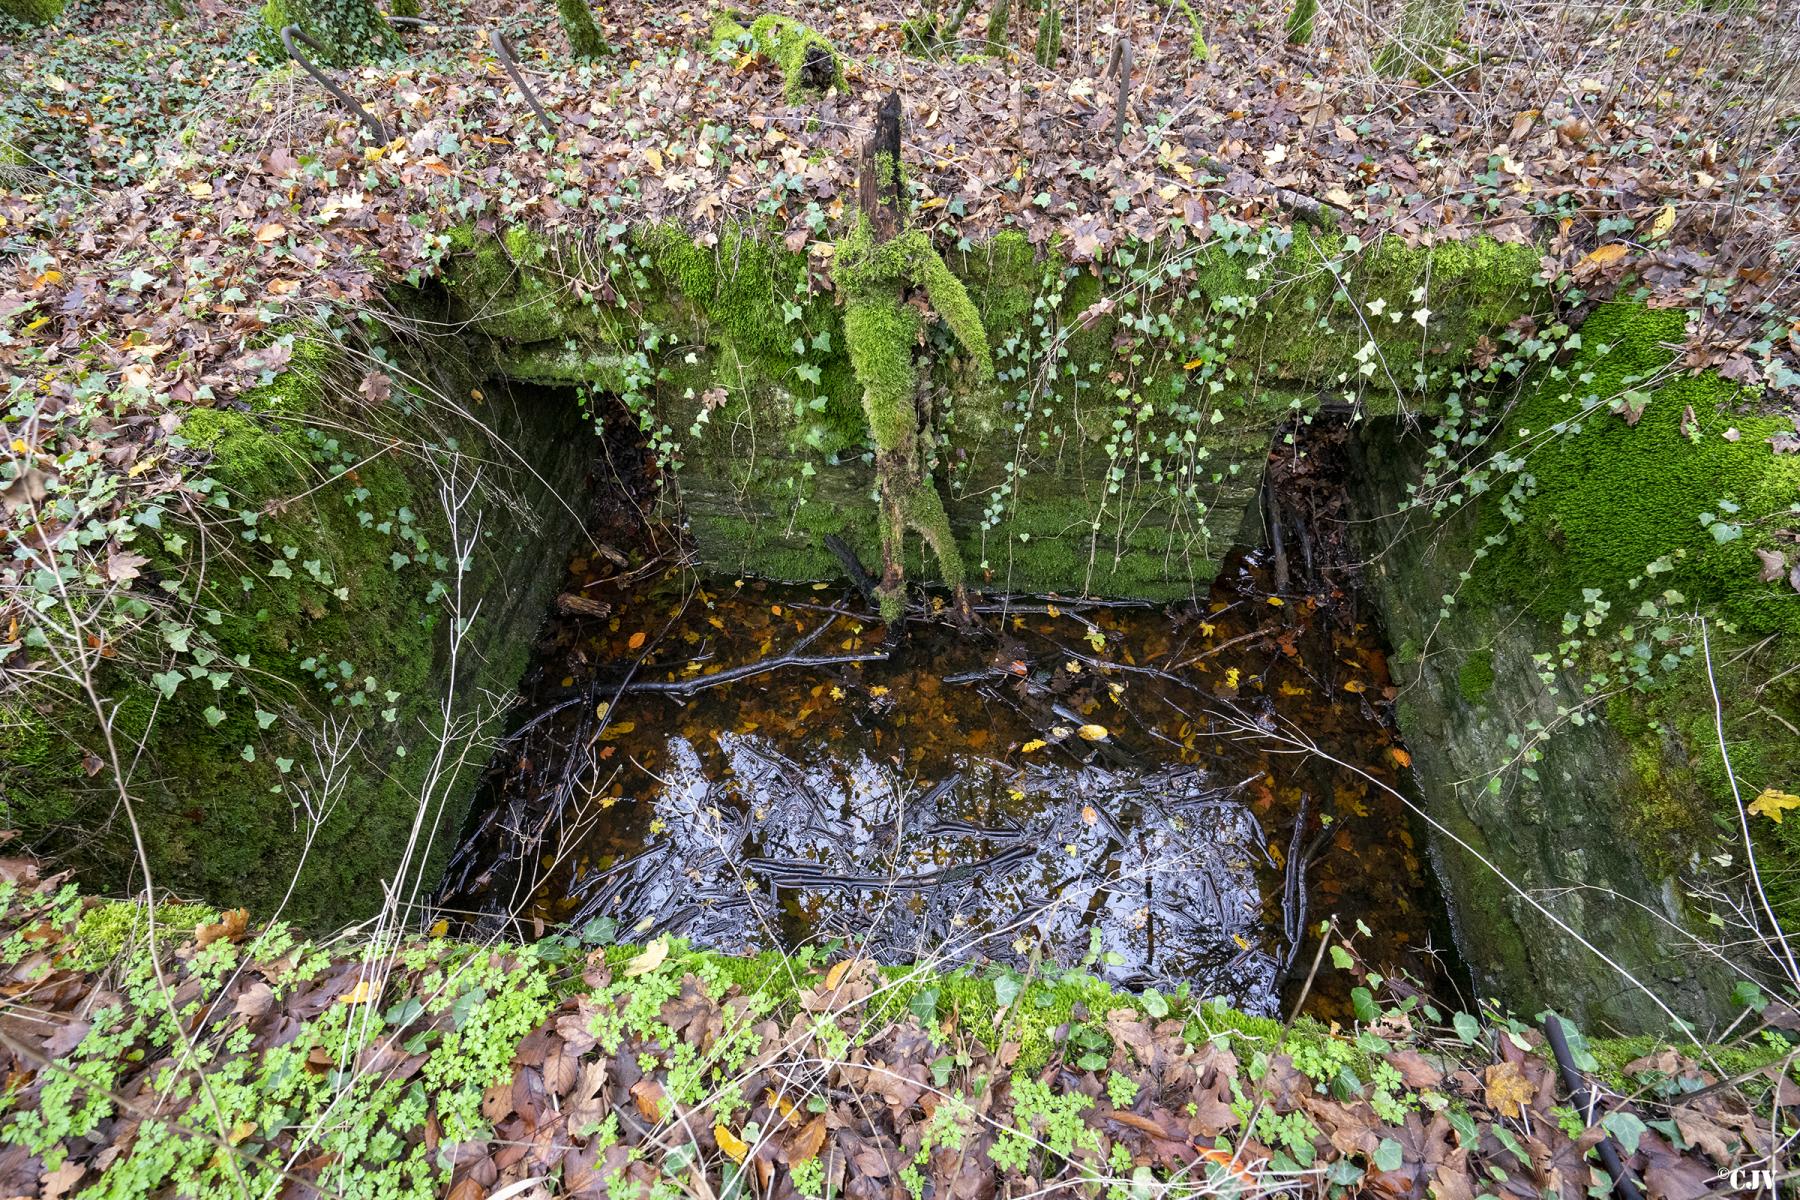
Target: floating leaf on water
(1093, 733)
(635, 641)
(1034, 744)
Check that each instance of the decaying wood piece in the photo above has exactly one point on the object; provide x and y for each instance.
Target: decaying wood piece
(879, 269)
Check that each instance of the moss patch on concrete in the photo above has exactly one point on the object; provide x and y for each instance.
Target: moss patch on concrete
(1119, 450)
(284, 733)
(1562, 718)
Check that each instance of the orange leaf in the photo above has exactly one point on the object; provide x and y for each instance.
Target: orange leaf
(636, 641)
(274, 231)
(1401, 758)
(805, 1145)
(1607, 255)
(230, 927)
(835, 976)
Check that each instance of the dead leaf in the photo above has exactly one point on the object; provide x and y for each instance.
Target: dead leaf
(230, 927)
(805, 1145)
(1508, 1091)
(650, 959)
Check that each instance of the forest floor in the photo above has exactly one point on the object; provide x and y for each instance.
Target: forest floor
(208, 1057)
(172, 203)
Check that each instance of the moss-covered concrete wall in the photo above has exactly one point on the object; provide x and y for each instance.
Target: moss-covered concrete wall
(1555, 689)
(1120, 452)
(278, 714)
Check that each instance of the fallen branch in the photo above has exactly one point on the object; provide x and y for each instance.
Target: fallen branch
(687, 687)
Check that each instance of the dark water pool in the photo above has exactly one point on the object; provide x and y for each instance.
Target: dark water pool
(1075, 782)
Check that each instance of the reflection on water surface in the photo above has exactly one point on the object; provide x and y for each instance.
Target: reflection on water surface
(1077, 782)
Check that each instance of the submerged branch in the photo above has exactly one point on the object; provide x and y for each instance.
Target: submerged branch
(687, 687)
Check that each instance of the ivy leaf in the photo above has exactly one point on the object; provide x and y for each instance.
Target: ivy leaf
(1626, 1128)
(1388, 1155)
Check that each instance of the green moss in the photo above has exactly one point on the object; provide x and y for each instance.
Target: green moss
(1618, 509)
(999, 17)
(1476, 677)
(1300, 21)
(110, 929)
(809, 63)
(578, 26)
(33, 12)
(352, 31)
(1197, 47)
(314, 646)
(1049, 34)
(782, 459)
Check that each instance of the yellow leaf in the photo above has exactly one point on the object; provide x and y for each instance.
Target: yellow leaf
(1665, 221)
(240, 1131)
(1052, 610)
(1243, 943)
(1088, 814)
(1771, 804)
(1034, 744)
(273, 231)
(1231, 678)
(1092, 733)
(360, 994)
(835, 976)
(650, 959)
(653, 156)
(1191, 363)
(1356, 685)
(1277, 601)
(1508, 1091)
(439, 927)
(731, 1143)
(934, 202)
(1605, 256)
